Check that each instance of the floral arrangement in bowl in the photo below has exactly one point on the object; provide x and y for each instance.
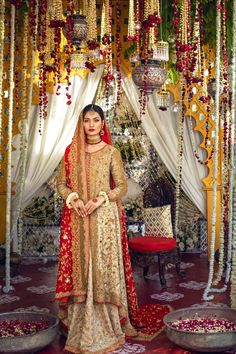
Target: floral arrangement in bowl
(203, 325)
(15, 328)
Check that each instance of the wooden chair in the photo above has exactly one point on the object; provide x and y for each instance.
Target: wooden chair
(150, 249)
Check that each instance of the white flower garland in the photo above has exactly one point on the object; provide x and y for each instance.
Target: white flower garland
(2, 33)
(26, 104)
(8, 286)
(179, 164)
(208, 288)
(232, 189)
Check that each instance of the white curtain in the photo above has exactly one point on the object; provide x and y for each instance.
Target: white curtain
(161, 128)
(45, 151)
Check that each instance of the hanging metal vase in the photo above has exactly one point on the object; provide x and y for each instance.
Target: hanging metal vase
(79, 29)
(148, 76)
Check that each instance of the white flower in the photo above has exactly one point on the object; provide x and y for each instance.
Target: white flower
(189, 242)
(181, 246)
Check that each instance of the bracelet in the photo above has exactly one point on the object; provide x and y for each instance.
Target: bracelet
(103, 194)
(70, 196)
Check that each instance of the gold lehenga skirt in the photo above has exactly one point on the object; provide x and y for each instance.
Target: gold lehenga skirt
(94, 326)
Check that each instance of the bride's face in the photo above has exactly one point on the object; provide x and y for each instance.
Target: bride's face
(92, 123)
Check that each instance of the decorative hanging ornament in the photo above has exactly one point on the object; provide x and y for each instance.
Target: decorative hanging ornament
(79, 29)
(211, 88)
(163, 99)
(148, 76)
(161, 51)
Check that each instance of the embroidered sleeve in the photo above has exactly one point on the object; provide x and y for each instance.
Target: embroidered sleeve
(62, 188)
(118, 174)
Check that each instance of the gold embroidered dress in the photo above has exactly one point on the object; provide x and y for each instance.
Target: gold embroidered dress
(99, 303)
(95, 285)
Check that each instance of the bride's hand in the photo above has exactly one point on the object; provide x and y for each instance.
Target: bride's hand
(94, 204)
(79, 207)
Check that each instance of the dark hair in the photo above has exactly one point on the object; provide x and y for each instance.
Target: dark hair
(95, 108)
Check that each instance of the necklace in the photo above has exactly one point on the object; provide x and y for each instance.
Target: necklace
(93, 141)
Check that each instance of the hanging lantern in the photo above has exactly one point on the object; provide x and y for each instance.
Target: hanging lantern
(79, 29)
(149, 76)
(163, 99)
(161, 51)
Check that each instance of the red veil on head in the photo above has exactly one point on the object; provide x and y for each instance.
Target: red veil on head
(147, 319)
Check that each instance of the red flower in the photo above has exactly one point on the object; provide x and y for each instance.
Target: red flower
(108, 77)
(92, 44)
(90, 66)
(56, 24)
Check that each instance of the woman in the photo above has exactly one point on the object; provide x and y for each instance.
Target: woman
(95, 285)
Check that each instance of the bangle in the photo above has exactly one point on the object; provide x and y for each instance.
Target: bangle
(103, 194)
(70, 196)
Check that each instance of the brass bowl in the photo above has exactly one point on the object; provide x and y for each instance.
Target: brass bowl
(202, 342)
(29, 343)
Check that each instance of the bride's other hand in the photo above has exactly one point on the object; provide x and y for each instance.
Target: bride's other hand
(93, 204)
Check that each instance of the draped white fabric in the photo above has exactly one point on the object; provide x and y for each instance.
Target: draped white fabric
(45, 151)
(162, 129)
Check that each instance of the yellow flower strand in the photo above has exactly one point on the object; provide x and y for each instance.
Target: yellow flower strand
(92, 20)
(85, 8)
(8, 286)
(56, 10)
(50, 38)
(131, 22)
(103, 23)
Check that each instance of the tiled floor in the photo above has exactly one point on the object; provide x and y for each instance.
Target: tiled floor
(35, 286)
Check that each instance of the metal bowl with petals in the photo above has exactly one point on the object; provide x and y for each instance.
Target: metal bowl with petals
(212, 342)
(29, 343)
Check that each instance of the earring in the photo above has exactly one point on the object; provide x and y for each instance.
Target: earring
(102, 132)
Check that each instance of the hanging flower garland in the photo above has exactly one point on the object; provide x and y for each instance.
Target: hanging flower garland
(23, 138)
(106, 29)
(43, 99)
(209, 288)
(8, 286)
(179, 157)
(2, 34)
(131, 22)
(232, 187)
(92, 43)
(225, 108)
(118, 51)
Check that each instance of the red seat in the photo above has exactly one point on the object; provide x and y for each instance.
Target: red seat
(147, 250)
(154, 248)
(152, 243)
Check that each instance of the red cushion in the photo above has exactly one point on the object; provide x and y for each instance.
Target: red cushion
(152, 244)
